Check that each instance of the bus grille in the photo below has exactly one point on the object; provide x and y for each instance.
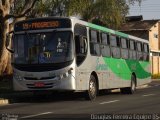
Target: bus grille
(43, 78)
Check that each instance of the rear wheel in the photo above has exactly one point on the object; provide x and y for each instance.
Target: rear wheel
(93, 88)
(132, 88)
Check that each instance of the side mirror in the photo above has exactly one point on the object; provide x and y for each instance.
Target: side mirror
(8, 40)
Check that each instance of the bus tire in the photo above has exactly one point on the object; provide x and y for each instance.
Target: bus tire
(132, 88)
(91, 93)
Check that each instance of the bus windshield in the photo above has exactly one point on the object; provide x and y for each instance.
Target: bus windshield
(43, 48)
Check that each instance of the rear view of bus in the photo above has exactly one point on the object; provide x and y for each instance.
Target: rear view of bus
(43, 55)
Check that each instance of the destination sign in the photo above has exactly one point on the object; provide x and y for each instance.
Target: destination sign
(39, 24)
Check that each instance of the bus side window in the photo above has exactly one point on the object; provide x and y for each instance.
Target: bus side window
(115, 46)
(132, 50)
(139, 51)
(105, 48)
(146, 52)
(94, 43)
(81, 44)
(124, 48)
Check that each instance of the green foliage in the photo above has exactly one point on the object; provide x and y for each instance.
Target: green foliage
(48, 8)
(111, 12)
(155, 76)
(133, 1)
(17, 6)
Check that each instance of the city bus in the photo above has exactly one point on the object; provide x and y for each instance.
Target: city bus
(68, 54)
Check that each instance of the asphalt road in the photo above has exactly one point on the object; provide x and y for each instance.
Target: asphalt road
(145, 103)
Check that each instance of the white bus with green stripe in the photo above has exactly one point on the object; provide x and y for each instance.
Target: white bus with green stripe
(67, 54)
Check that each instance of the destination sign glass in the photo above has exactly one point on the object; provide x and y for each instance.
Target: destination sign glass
(39, 24)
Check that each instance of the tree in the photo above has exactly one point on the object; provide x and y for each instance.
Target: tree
(133, 1)
(110, 13)
(10, 9)
(49, 8)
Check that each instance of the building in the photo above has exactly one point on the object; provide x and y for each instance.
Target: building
(149, 30)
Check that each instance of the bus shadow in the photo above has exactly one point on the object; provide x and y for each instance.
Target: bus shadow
(29, 97)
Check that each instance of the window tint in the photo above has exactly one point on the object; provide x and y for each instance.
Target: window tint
(132, 45)
(94, 36)
(139, 51)
(94, 43)
(95, 49)
(124, 48)
(115, 49)
(80, 30)
(132, 50)
(139, 46)
(146, 52)
(105, 48)
(124, 43)
(105, 38)
(81, 44)
(146, 48)
(113, 40)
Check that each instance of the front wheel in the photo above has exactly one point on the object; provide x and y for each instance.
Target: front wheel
(92, 91)
(132, 88)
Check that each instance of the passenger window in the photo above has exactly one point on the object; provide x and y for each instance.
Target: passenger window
(115, 46)
(105, 48)
(124, 48)
(139, 46)
(94, 43)
(113, 40)
(146, 48)
(139, 51)
(94, 36)
(146, 52)
(81, 44)
(132, 50)
(124, 43)
(105, 38)
(132, 46)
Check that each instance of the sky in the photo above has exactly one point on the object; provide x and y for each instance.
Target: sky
(150, 9)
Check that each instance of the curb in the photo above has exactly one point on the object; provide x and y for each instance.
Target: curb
(4, 101)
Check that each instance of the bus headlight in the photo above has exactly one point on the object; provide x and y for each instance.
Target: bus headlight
(17, 77)
(65, 75)
(61, 76)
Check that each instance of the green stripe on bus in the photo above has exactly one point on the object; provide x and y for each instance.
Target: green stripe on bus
(123, 68)
(122, 34)
(107, 30)
(101, 28)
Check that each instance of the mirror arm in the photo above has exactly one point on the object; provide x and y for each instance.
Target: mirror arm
(7, 42)
(11, 51)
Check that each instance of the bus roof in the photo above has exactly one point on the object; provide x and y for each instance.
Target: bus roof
(104, 29)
